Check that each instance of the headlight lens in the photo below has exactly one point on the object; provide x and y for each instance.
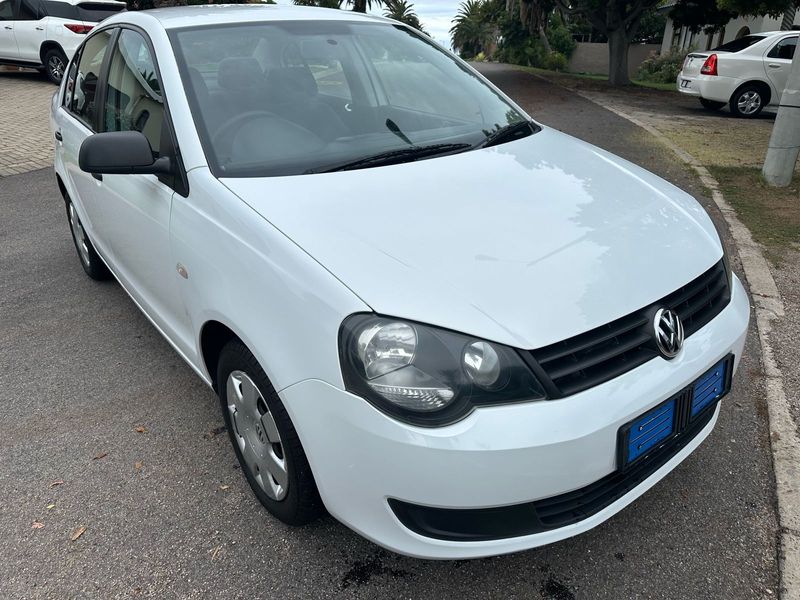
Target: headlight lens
(426, 375)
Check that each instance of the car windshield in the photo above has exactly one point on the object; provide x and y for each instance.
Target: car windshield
(740, 44)
(300, 97)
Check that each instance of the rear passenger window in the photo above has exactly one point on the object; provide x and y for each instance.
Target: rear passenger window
(784, 49)
(133, 100)
(30, 10)
(6, 10)
(69, 87)
(85, 97)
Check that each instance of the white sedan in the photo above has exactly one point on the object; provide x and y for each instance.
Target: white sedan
(460, 332)
(747, 74)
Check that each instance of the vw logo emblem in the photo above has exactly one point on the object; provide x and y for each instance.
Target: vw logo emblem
(669, 332)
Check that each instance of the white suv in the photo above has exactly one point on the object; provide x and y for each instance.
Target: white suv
(44, 34)
(747, 74)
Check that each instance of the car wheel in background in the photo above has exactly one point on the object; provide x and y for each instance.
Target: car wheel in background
(747, 101)
(55, 63)
(264, 438)
(90, 261)
(711, 104)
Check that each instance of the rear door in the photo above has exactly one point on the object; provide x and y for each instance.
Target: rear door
(8, 43)
(778, 63)
(77, 119)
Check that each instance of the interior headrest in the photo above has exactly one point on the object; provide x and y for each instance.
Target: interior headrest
(292, 81)
(240, 73)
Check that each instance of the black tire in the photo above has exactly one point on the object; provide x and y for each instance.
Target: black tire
(92, 264)
(711, 104)
(301, 503)
(55, 65)
(744, 100)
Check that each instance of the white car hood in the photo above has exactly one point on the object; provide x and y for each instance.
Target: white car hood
(526, 243)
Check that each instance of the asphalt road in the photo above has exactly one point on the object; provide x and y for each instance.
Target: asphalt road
(168, 514)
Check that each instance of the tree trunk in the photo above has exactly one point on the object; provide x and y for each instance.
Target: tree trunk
(618, 44)
(784, 143)
(543, 37)
(360, 6)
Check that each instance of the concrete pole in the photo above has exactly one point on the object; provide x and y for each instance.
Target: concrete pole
(784, 143)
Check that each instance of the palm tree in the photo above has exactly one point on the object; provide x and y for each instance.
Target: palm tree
(402, 11)
(471, 33)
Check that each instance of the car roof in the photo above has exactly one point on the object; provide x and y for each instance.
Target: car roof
(213, 14)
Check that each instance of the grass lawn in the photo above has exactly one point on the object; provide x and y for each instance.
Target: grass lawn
(771, 214)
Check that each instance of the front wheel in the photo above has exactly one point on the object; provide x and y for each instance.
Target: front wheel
(264, 438)
(55, 64)
(747, 101)
(711, 104)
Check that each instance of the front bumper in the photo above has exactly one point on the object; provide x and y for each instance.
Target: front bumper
(497, 456)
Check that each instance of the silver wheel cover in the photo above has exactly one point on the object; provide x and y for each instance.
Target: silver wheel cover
(256, 435)
(749, 102)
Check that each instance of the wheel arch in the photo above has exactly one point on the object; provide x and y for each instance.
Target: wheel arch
(48, 45)
(213, 337)
(763, 86)
(61, 187)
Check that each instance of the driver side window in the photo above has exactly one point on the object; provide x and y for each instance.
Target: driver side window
(133, 100)
(784, 49)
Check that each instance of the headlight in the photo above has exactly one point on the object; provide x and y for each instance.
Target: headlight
(429, 376)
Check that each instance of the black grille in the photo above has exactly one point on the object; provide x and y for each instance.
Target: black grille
(608, 351)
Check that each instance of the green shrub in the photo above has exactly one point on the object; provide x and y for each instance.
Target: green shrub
(480, 57)
(662, 68)
(556, 61)
(529, 53)
(560, 37)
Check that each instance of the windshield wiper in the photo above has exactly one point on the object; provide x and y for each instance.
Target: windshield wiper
(394, 157)
(512, 131)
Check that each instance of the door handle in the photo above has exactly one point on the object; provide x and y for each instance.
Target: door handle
(774, 66)
(59, 137)
(8, 27)
(39, 28)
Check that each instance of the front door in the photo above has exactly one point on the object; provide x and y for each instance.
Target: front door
(29, 30)
(135, 212)
(778, 63)
(8, 43)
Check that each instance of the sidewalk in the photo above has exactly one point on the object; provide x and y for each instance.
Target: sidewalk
(24, 112)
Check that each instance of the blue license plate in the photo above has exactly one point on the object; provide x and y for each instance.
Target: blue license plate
(657, 427)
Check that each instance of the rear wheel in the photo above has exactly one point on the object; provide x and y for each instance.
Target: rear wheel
(711, 104)
(264, 438)
(90, 261)
(55, 63)
(747, 101)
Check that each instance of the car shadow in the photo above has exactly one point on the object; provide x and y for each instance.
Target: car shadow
(22, 73)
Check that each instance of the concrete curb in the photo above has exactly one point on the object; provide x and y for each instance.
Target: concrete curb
(784, 439)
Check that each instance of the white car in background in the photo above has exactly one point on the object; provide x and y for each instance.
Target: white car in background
(44, 34)
(747, 74)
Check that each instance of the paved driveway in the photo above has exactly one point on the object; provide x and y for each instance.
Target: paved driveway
(168, 514)
(25, 138)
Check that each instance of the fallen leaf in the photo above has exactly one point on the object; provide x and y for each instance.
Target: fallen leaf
(37, 525)
(215, 552)
(49, 506)
(99, 456)
(215, 432)
(139, 429)
(224, 487)
(77, 533)
(138, 465)
(57, 482)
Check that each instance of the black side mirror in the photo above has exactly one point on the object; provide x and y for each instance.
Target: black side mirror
(121, 153)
